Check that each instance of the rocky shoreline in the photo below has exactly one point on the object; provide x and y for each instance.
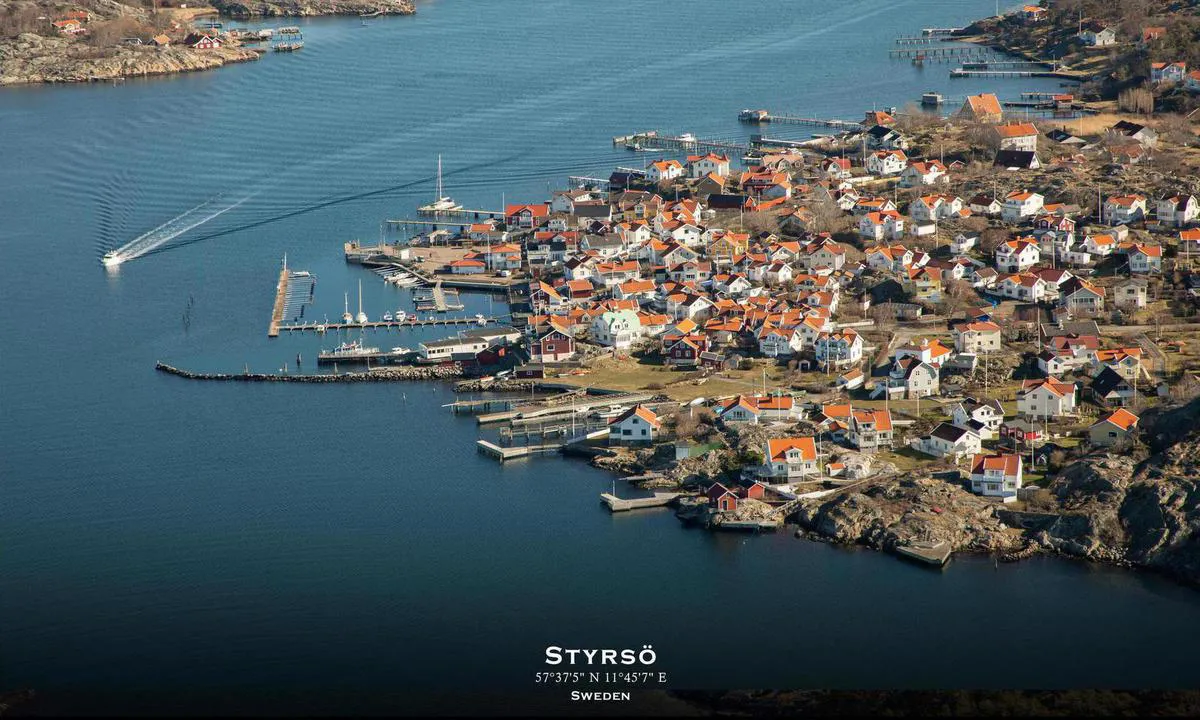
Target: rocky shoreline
(389, 374)
(31, 59)
(310, 8)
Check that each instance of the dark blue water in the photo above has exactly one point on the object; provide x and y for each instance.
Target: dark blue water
(169, 545)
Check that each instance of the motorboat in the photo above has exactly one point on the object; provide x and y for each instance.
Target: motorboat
(112, 259)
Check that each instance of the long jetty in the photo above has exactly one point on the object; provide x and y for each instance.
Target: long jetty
(390, 324)
(653, 140)
(436, 372)
(280, 300)
(797, 120)
(525, 412)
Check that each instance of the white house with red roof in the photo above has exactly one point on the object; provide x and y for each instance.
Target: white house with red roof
(1046, 398)
(1021, 286)
(1125, 209)
(996, 476)
(526, 216)
(1145, 259)
(664, 170)
(1021, 205)
(1020, 136)
(638, 424)
(839, 349)
(870, 429)
(886, 162)
(701, 165)
(1014, 256)
(789, 458)
(881, 226)
(1177, 210)
(924, 172)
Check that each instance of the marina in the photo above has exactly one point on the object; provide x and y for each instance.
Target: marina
(411, 322)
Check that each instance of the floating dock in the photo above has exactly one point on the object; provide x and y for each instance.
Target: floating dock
(797, 120)
(929, 553)
(653, 140)
(616, 504)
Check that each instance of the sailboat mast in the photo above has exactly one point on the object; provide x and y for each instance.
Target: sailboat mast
(439, 180)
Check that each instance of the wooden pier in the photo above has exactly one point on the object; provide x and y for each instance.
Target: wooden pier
(654, 141)
(929, 553)
(388, 324)
(953, 51)
(616, 504)
(280, 301)
(438, 299)
(461, 213)
(541, 410)
(797, 120)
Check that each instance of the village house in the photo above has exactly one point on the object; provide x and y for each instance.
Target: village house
(1021, 205)
(664, 170)
(553, 346)
(1014, 256)
(886, 162)
(881, 226)
(984, 108)
(701, 165)
(1145, 259)
(911, 378)
(838, 349)
(1046, 398)
(1022, 286)
(1130, 294)
(1081, 297)
(984, 204)
(1097, 35)
(618, 329)
(1115, 428)
(636, 425)
(1020, 136)
(526, 217)
(203, 41)
(981, 417)
(1135, 132)
(870, 429)
(69, 26)
(1124, 209)
(882, 137)
(923, 283)
(977, 337)
(1174, 72)
(1178, 211)
(921, 173)
(1017, 160)
(948, 441)
(1111, 389)
(739, 409)
(835, 168)
(996, 476)
(962, 242)
(788, 458)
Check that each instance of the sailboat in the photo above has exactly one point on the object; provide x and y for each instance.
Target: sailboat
(346, 316)
(361, 318)
(441, 203)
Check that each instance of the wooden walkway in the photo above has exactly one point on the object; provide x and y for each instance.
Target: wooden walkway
(652, 140)
(511, 453)
(388, 324)
(797, 120)
(280, 300)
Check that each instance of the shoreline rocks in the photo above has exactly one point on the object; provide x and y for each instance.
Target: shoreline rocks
(30, 59)
(311, 8)
(390, 374)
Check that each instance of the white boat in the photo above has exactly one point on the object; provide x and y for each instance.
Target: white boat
(387, 317)
(112, 259)
(687, 137)
(479, 318)
(361, 318)
(401, 316)
(400, 351)
(346, 316)
(441, 203)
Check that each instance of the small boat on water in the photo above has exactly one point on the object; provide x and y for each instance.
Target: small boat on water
(401, 316)
(401, 350)
(111, 259)
(387, 317)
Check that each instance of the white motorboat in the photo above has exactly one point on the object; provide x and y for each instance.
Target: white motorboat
(112, 259)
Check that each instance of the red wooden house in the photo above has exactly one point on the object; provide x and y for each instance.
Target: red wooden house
(553, 346)
(721, 498)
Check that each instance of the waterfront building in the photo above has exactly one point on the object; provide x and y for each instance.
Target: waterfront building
(637, 425)
(996, 476)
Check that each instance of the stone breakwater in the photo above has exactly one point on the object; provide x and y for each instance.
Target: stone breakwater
(391, 374)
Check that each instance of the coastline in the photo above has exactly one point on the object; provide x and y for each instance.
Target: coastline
(32, 59)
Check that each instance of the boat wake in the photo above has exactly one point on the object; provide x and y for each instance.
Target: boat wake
(157, 237)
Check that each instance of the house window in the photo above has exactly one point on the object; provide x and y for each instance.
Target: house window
(626, 431)
(643, 431)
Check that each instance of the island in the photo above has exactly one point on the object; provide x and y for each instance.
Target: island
(48, 42)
